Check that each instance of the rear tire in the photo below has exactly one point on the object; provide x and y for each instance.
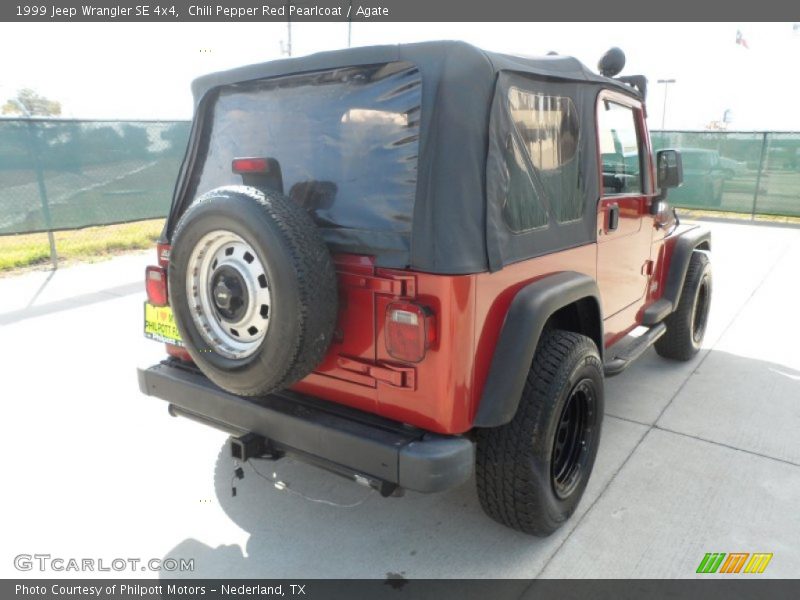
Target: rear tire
(532, 472)
(686, 327)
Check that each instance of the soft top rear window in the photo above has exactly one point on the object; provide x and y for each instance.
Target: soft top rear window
(346, 140)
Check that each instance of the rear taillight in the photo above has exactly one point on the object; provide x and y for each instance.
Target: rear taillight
(410, 331)
(156, 283)
(250, 165)
(261, 172)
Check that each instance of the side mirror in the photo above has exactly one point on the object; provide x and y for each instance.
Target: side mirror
(669, 168)
(669, 174)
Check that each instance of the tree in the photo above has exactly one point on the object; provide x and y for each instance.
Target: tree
(135, 140)
(35, 104)
(174, 138)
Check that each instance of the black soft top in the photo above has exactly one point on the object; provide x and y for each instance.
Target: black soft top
(450, 222)
(452, 63)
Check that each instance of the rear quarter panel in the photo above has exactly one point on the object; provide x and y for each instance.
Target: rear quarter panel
(495, 291)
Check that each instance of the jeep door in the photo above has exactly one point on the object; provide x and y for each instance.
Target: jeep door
(624, 225)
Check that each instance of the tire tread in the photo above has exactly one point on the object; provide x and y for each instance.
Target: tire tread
(316, 280)
(676, 343)
(508, 489)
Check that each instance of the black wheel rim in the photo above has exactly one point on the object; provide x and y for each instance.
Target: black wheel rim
(573, 439)
(700, 316)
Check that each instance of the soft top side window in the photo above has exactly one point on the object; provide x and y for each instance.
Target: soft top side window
(541, 159)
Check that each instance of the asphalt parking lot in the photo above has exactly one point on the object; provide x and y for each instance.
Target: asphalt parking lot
(696, 457)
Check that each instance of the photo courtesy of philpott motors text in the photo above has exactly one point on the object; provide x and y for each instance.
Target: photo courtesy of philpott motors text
(123, 589)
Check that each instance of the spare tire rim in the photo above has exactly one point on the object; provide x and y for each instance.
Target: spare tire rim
(228, 294)
(573, 439)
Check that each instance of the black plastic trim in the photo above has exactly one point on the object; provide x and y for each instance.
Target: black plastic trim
(687, 242)
(335, 434)
(533, 305)
(657, 312)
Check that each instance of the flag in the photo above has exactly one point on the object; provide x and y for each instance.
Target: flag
(740, 39)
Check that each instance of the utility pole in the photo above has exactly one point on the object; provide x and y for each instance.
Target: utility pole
(350, 25)
(287, 49)
(666, 83)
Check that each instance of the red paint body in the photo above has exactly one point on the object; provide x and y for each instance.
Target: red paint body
(441, 393)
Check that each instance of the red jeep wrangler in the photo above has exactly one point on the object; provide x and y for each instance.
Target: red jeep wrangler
(408, 264)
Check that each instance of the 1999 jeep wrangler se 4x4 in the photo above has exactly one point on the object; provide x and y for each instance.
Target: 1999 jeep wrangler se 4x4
(409, 263)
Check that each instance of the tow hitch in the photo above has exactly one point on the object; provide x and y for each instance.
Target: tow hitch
(254, 446)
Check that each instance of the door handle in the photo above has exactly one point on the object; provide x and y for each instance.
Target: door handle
(613, 217)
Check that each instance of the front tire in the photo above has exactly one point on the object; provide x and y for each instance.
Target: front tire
(532, 472)
(686, 327)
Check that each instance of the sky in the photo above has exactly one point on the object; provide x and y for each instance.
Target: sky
(143, 70)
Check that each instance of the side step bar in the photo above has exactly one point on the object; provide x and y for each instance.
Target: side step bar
(657, 312)
(628, 349)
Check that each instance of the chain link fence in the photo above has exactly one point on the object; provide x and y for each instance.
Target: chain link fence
(62, 175)
(75, 186)
(740, 172)
(57, 175)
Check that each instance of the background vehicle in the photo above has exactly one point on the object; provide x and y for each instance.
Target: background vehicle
(347, 275)
(703, 177)
(732, 168)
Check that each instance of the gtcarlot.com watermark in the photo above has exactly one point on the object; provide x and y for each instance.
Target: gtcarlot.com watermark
(48, 563)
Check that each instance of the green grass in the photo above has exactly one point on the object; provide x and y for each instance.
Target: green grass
(20, 251)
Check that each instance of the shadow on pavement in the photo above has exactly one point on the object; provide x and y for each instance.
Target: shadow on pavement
(332, 527)
(41, 288)
(68, 303)
(326, 526)
(294, 535)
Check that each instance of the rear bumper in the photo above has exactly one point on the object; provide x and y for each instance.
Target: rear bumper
(320, 432)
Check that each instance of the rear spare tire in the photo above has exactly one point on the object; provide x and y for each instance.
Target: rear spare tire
(253, 289)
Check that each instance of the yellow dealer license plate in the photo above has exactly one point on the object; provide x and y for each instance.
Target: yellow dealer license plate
(159, 324)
